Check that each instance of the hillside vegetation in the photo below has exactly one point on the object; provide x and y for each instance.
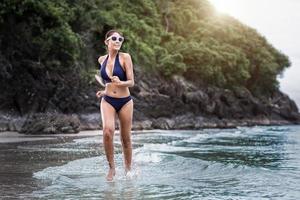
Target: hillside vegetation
(50, 48)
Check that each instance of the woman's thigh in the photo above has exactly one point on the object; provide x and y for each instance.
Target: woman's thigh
(125, 117)
(108, 114)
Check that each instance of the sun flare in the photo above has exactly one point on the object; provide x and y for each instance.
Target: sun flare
(225, 6)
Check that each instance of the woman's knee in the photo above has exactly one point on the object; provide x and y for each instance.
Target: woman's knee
(108, 132)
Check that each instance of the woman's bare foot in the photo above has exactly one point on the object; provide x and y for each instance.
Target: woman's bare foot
(129, 174)
(111, 174)
(127, 170)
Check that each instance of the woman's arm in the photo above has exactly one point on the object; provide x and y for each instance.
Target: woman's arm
(98, 77)
(100, 59)
(99, 80)
(100, 93)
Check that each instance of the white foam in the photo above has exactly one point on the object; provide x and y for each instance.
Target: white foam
(167, 148)
(197, 138)
(89, 140)
(148, 157)
(72, 168)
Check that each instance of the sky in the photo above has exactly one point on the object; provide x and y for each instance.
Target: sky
(279, 22)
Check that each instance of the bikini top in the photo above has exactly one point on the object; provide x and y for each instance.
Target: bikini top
(117, 70)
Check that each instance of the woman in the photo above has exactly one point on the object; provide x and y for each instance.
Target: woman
(116, 71)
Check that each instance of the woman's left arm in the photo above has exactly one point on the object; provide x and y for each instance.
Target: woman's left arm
(129, 72)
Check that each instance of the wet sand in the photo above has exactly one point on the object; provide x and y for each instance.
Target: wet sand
(21, 155)
(14, 137)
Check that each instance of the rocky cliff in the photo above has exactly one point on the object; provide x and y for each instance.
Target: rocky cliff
(207, 69)
(159, 103)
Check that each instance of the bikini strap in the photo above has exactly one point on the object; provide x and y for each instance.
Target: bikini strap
(118, 60)
(105, 61)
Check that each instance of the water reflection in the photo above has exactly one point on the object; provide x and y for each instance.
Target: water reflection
(127, 190)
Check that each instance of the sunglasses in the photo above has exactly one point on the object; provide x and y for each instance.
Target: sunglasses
(115, 38)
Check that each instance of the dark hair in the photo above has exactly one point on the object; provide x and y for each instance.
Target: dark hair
(110, 32)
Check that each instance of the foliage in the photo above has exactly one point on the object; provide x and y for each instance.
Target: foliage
(174, 37)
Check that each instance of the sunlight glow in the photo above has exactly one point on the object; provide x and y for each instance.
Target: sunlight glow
(225, 6)
(278, 21)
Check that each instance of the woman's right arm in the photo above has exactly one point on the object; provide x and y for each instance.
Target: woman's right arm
(100, 92)
(100, 59)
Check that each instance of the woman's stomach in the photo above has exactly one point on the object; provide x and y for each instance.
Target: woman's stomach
(111, 89)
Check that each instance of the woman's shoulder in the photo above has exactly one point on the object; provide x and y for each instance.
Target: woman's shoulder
(125, 55)
(101, 58)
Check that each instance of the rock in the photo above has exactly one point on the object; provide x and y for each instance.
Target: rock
(90, 121)
(51, 124)
(187, 121)
(11, 122)
(3, 127)
(164, 103)
(196, 97)
(163, 123)
(154, 104)
(242, 93)
(183, 84)
(142, 125)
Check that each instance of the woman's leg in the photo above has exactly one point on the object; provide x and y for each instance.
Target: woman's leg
(108, 123)
(125, 117)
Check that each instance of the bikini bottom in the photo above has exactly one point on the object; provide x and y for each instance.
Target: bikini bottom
(117, 103)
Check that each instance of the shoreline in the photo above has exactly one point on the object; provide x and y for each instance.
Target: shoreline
(8, 137)
(42, 123)
(16, 137)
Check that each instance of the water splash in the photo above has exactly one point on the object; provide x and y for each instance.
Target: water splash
(242, 163)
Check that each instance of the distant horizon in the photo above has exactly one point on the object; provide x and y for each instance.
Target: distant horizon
(277, 20)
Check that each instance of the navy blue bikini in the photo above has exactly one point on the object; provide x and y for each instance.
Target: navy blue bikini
(117, 103)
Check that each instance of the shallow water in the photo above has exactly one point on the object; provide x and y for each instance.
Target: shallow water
(242, 163)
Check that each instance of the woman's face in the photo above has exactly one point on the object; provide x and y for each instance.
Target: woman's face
(114, 42)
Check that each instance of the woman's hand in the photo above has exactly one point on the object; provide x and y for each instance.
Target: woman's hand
(116, 80)
(100, 93)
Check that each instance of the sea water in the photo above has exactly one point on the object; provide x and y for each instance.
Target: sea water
(240, 163)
